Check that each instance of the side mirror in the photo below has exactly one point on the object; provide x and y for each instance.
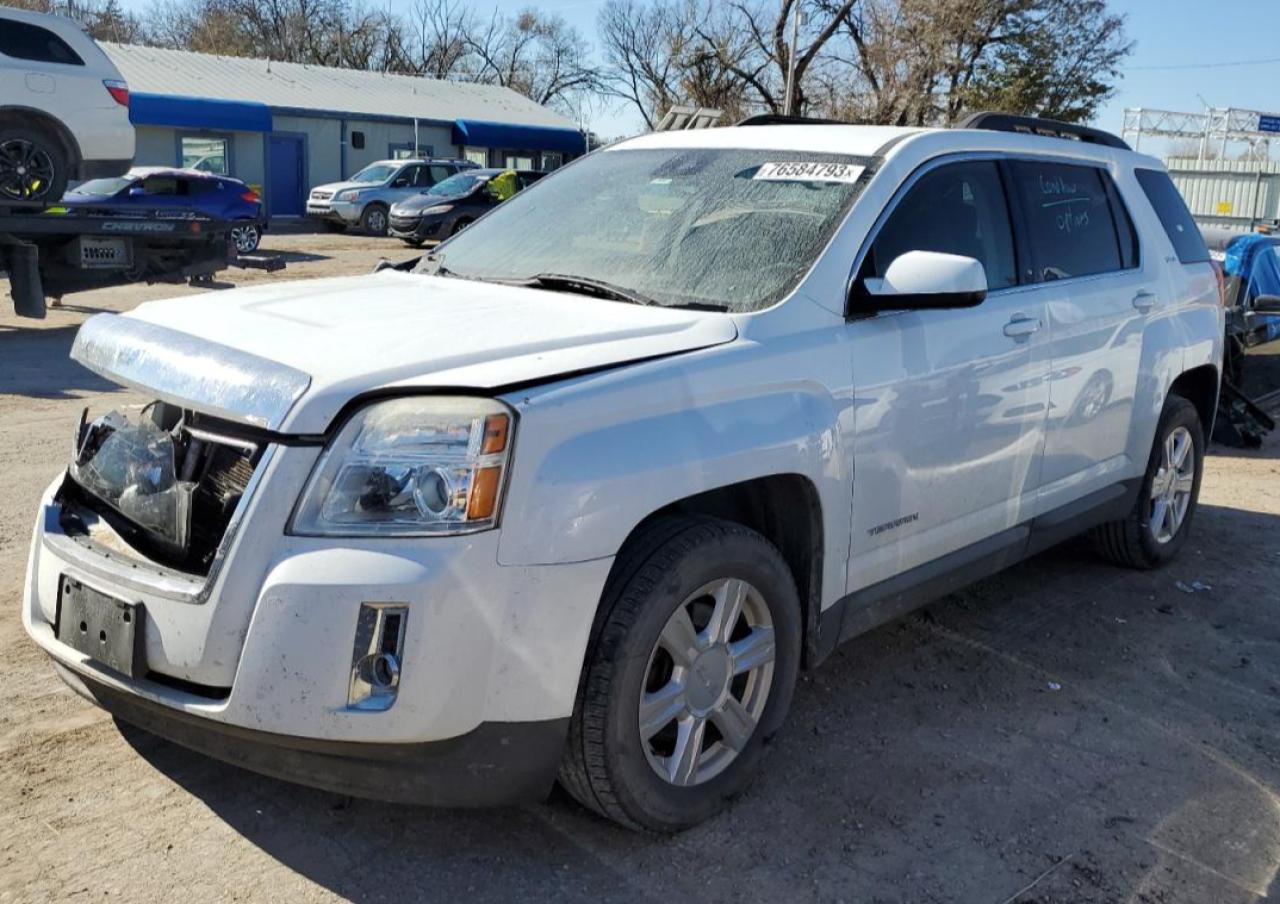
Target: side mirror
(1267, 304)
(402, 182)
(925, 280)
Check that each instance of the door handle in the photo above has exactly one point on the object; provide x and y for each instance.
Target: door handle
(1021, 326)
(1144, 300)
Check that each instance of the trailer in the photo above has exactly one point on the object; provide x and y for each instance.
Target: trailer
(52, 253)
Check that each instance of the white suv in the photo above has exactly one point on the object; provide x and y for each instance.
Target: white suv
(64, 110)
(579, 494)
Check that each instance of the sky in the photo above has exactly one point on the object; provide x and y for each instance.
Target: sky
(1180, 48)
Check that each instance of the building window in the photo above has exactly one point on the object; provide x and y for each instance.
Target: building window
(209, 155)
(357, 140)
(406, 151)
(552, 160)
(478, 156)
(519, 161)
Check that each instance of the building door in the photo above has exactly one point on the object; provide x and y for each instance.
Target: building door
(286, 184)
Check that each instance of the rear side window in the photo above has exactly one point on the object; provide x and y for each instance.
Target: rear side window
(24, 41)
(1174, 216)
(958, 208)
(1070, 227)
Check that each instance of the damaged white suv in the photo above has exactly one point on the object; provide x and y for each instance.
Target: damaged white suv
(580, 493)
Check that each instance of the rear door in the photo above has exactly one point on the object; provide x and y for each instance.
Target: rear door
(950, 404)
(1083, 254)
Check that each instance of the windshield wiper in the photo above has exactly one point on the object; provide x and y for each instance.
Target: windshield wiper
(586, 285)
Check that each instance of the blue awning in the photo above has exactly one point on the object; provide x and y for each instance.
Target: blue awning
(198, 113)
(479, 133)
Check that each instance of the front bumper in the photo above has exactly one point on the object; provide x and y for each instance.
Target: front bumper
(494, 764)
(417, 228)
(265, 645)
(335, 211)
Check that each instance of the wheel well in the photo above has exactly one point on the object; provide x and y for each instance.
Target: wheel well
(1199, 386)
(786, 510)
(24, 116)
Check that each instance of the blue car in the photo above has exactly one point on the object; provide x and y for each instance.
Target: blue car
(154, 187)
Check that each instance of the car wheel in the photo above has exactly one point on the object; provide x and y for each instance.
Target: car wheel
(461, 225)
(1158, 525)
(690, 674)
(33, 167)
(246, 238)
(374, 219)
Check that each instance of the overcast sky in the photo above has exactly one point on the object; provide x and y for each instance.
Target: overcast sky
(1180, 46)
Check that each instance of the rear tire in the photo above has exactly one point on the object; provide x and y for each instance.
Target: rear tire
(1157, 527)
(662, 740)
(33, 167)
(373, 219)
(246, 237)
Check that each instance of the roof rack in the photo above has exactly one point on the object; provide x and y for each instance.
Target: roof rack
(1035, 125)
(780, 119)
(679, 118)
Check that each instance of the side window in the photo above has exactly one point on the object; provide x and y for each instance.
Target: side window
(406, 177)
(1174, 216)
(1067, 213)
(163, 185)
(24, 41)
(1125, 232)
(439, 174)
(958, 208)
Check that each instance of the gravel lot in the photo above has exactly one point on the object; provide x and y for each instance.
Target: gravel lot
(1064, 732)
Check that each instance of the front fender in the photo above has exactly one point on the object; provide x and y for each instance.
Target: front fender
(594, 457)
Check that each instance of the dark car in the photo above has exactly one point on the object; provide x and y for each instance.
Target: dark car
(451, 205)
(168, 188)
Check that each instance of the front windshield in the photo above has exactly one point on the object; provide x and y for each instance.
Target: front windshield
(374, 172)
(102, 186)
(458, 184)
(729, 228)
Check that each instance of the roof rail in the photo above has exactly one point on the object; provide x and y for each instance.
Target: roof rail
(780, 119)
(1035, 125)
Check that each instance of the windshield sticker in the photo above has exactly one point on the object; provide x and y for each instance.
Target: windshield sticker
(809, 171)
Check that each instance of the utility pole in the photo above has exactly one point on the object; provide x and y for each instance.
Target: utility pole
(789, 106)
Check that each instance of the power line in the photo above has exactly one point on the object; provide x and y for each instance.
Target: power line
(1223, 65)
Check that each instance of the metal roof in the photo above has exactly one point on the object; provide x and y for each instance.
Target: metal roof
(322, 89)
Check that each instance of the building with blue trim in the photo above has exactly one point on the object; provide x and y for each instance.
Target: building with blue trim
(286, 126)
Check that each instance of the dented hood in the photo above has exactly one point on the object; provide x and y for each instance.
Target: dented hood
(289, 357)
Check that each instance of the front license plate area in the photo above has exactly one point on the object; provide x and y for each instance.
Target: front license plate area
(107, 630)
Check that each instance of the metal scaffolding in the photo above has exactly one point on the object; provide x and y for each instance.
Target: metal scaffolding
(1215, 129)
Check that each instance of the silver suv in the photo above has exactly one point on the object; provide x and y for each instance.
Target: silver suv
(365, 198)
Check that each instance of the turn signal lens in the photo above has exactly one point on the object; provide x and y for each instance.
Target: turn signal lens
(495, 434)
(484, 494)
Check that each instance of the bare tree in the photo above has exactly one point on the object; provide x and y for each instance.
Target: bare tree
(539, 55)
(104, 20)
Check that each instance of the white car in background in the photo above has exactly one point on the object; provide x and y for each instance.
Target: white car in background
(64, 109)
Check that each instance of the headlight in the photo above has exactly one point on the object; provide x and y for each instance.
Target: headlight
(410, 467)
(351, 194)
(439, 208)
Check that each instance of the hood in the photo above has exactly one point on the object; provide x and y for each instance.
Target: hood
(335, 187)
(288, 357)
(421, 202)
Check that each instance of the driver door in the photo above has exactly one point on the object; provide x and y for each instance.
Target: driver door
(950, 405)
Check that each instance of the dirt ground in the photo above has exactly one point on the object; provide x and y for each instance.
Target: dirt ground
(1065, 732)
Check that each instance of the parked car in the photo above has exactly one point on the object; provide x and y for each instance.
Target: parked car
(364, 199)
(450, 206)
(64, 109)
(579, 493)
(166, 188)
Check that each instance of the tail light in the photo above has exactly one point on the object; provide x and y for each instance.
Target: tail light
(1222, 282)
(118, 90)
(251, 196)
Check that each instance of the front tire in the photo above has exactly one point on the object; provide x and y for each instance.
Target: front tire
(690, 675)
(33, 167)
(373, 219)
(1160, 521)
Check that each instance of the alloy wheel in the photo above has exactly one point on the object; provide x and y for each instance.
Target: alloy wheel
(245, 238)
(707, 682)
(1172, 485)
(26, 170)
